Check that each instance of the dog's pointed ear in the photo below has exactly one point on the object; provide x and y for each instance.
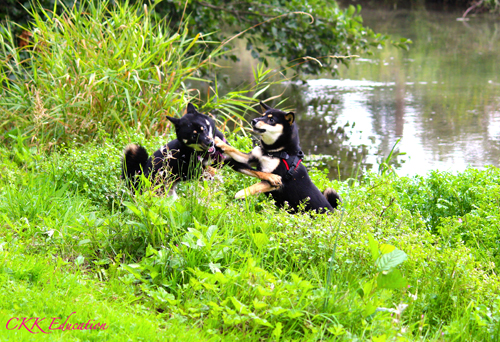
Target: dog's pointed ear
(264, 106)
(175, 121)
(191, 109)
(290, 117)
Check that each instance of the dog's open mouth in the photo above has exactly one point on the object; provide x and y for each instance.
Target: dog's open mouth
(259, 130)
(211, 149)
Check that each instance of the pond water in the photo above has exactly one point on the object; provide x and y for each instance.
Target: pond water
(441, 98)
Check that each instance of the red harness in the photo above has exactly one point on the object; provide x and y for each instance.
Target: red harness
(288, 167)
(291, 162)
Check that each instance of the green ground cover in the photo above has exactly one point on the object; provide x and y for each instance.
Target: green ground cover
(414, 258)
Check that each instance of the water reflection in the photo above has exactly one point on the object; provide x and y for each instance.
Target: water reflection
(442, 98)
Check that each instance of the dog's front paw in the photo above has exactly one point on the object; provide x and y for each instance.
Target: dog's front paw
(255, 189)
(219, 143)
(274, 180)
(242, 194)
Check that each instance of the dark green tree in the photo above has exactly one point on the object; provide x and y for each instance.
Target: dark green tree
(309, 36)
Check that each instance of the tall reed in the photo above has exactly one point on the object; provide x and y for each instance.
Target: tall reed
(100, 66)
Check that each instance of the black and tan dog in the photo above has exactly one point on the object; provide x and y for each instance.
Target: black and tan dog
(279, 153)
(185, 158)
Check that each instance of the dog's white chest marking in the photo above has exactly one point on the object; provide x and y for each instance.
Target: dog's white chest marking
(267, 164)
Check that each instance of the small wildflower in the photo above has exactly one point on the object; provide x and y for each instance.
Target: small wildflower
(400, 308)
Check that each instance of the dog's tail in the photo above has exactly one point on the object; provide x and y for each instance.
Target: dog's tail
(134, 162)
(332, 197)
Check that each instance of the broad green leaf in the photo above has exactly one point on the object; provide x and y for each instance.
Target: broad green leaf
(132, 208)
(258, 304)
(277, 331)
(294, 314)
(277, 310)
(197, 225)
(150, 251)
(381, 338)
(154, 273)
(210, 287)
(336, 330)
(79, 260)
(215, 268)
(260, 239)
(368, 287)
(232, 319)
(391, 280)
(84, 242)
(220, 277)
(263, 291)
(384, 248)
(131, 269)
(211, 233)
(351, 10)
(370, 309)
(390, 260)
(196, 233)
(373, 247)
(259, 320)
(239, 306)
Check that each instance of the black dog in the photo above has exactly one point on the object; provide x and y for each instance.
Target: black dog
(279, 153)
(182, 159)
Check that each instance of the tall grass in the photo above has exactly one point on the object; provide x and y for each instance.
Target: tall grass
(99, 66)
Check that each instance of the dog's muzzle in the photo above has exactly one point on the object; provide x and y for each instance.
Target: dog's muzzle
(255, 128)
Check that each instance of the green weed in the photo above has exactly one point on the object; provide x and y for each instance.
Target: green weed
(243, 268)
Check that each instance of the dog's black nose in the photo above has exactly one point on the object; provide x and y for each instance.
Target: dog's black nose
(254, 122)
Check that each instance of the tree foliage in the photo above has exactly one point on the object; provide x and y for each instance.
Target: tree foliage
(305, 35)
(308, 35)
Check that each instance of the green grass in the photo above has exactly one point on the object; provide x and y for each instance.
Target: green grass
(208, 266)
(44, 286)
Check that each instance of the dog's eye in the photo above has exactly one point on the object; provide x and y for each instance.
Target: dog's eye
(271, 120)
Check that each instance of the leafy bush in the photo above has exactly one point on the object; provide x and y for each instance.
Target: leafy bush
(459, 208)
(208, 258)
